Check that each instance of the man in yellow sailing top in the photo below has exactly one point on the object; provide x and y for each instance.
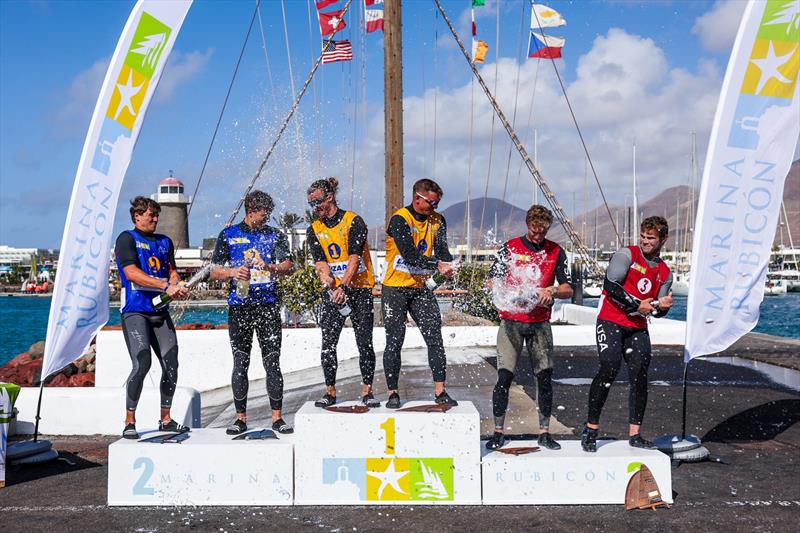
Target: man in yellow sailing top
(416, 248)
(338, 243)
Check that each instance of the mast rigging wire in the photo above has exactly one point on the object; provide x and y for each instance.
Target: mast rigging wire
(580, 135)
(550, 197)
(491, 129)
(297, 139)
(286, 121)
(222, 111)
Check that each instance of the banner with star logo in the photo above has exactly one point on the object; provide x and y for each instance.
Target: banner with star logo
(80, 299)
(752, 144)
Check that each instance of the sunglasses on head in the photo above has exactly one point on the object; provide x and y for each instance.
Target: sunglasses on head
(431, 203)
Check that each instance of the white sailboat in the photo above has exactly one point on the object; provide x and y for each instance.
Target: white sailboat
(784, 266)
(680, 270)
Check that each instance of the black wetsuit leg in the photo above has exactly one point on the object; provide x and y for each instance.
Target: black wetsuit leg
(142, 331)
(425, 311)
(637, 357)
(269, 334)
(394, 303)
(241, 323)
(610, 345)
(331, 323)
(363, 319)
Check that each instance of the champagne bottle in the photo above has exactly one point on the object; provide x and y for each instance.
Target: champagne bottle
(344, 309)
(242, 288)
(435, 280)
(161, 301)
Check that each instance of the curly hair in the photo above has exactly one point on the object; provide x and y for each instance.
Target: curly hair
(539, 215)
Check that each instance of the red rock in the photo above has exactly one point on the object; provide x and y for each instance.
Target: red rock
(60, 380)
(85, 379)
(22, 374)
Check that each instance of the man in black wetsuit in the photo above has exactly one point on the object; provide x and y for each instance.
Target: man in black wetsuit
(146, 264)
(338, 243)
(416, 247)
(637, 286)
(255, 254)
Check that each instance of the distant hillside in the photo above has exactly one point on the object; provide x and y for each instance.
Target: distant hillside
(672, 203)
(501, 220)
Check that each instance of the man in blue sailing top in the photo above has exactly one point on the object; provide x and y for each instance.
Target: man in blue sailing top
(146, 263)
(252, 255)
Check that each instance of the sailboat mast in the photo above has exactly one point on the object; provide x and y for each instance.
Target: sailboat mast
(635, 219)
(536, 164)
(393, 105)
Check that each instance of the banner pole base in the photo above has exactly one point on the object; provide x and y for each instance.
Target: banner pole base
(681, 447)
(38, 412)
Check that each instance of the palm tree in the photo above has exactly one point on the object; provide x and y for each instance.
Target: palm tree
(287, 222)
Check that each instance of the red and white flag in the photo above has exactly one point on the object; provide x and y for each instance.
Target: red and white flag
(330, 22)
(372, 2)
(322, 4)
(373, 19)
(338, 51)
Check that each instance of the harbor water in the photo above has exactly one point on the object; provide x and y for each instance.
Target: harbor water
(24, 319)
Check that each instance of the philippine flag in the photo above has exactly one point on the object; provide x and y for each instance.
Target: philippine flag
(544, 46)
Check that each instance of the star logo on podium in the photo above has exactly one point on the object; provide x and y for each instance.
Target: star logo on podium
(389, 478)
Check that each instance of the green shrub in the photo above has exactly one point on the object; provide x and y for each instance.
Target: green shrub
(302, 291)
(478, 300)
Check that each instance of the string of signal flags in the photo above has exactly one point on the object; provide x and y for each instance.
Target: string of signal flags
(333, 21)
(540, 46)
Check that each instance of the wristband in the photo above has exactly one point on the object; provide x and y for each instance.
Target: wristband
(166, 286)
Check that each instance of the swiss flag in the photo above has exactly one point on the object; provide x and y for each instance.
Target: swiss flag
(330, 22)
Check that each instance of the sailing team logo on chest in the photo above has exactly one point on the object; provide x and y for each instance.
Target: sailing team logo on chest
(334, 250)
(422, 247)
(155, 264)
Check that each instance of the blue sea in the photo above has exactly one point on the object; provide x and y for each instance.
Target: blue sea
(24, 319)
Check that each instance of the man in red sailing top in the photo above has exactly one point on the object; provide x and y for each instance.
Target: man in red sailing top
(529, 272)
(637, 285)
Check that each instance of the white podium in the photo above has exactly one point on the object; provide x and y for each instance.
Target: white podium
(387, 456)
(569, 475)
(209, 468)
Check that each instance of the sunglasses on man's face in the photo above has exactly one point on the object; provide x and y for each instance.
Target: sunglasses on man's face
(318, 201)
(433, 203)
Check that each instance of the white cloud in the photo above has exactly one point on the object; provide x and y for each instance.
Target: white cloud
(181, 68)
(78, 102)
(624, 90)
(717, 28)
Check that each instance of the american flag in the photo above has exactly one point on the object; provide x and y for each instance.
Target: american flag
(338, 51)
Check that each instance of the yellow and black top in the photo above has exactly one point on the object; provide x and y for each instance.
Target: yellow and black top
(414, 245)
(332, 241)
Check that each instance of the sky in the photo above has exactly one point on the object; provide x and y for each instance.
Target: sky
(647, 72)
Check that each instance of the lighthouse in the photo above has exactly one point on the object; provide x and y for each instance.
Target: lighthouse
(174, 220)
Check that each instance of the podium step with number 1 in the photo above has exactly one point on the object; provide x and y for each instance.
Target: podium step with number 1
(387, 456)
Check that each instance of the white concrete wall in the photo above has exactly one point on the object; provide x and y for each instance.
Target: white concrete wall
(206, 363)
(98, 410)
